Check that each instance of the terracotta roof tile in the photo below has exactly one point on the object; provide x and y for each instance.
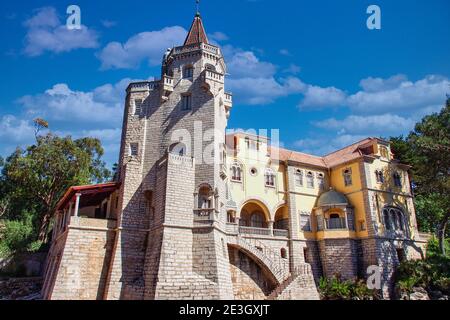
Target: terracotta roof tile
(197, 32)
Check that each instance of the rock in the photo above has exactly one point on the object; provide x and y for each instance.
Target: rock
(419, 294)
(436, 295)
(444, 298)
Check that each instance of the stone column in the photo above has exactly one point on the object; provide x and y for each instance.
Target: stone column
(270, 223)
(77, 204)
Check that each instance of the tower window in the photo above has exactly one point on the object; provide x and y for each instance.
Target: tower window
(321, 181)
(186, 102)
(397, 180)
(236, 172)
(310, 180)
(134, 149)
(270, 178)
(299, 178)
(384, 152)
(137, 107)
(348, 181)
(188, 72)
(380, 176)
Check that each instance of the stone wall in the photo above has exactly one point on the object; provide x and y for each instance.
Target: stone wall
(19, 288)
(79, 270)
(249, 280)
(339, 256)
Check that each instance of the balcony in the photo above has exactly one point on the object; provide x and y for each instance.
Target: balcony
(143, 86)
(196, 47)
(228, 102)
(168, 83)
(234, 229)
(212, 80)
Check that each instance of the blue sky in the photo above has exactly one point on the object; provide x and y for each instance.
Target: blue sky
(309, 68)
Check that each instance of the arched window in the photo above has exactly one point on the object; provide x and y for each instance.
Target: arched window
(310, 180)
(394, 219)
(400, 220)
(257, 220)
(384, 152)
(348, 181)
(321, 181)
(247, 142)
(283, 252)
(380, 176)
(205, 197)
(210, 67)
(397, 179)
(178, 149)
(299, 178)
(387, 219)
(335, 221)
(270, 178)
(188, 72)
(236, 172)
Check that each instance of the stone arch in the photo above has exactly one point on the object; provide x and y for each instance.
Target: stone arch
(252, 207)
(259, 201)
(278, 206)
(281, 220)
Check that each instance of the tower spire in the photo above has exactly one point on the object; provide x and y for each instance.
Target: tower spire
(197, 32)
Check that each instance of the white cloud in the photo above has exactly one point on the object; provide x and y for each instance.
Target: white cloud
(101, 107)
(97, 113)
(15, 130)
(285, 52)
(218, 36)
(397, 94)
(148, 46)
(324, 145)
(377, 125)
(256, 91)
(315, 96)
(46, 33)
(245, 64)
(379, 84)
(293, 68)
(109, 23)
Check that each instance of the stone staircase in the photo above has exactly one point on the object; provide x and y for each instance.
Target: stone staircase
(278, 266)
(299, 285)
(296, 285)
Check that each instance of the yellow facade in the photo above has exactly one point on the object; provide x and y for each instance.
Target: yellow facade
(366, 197)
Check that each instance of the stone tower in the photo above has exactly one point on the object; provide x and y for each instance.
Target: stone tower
(170, 241)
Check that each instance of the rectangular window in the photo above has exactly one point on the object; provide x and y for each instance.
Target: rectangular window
(186, 102)
(310, 180)
(137, 107)
(188, 72)
(299, 178)
(134, 149)
(305, 222)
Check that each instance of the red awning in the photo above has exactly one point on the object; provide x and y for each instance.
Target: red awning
(92, 193)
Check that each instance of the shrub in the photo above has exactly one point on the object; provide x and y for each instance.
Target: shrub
(337, 289)
(15, 236)
(433, 247)
(432, 274)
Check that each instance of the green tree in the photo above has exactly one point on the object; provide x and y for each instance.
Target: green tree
(427, 150)
(33, 180)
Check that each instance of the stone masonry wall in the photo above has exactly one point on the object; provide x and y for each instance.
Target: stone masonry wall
(339, 256)
(82, 270)
(249, 280)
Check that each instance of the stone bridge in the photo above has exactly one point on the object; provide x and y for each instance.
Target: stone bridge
(264, 256)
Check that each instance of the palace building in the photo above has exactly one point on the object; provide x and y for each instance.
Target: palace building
(258, 222)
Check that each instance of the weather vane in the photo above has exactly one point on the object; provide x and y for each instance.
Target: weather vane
(198, 6)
